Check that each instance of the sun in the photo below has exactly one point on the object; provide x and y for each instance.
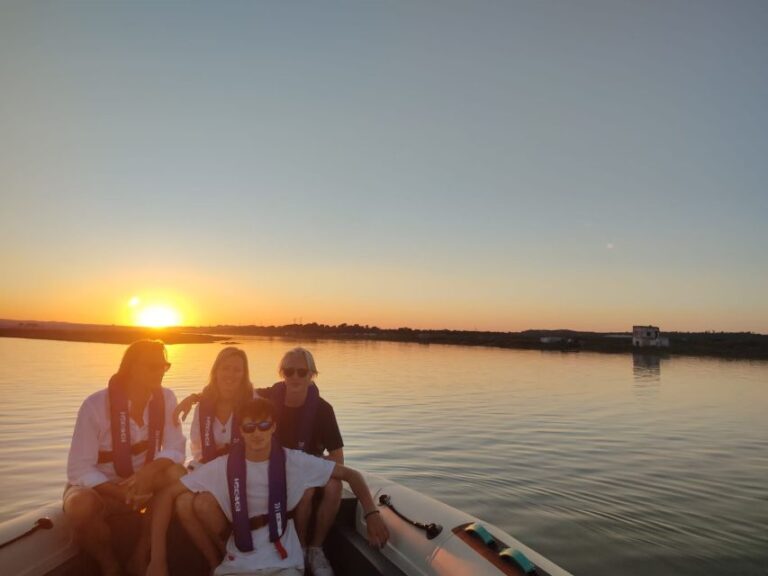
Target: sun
(158, 316)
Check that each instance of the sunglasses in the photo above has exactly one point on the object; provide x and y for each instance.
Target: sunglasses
(300, 372)
(251, 427)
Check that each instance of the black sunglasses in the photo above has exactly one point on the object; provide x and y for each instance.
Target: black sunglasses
(251, 427)
(300, 372)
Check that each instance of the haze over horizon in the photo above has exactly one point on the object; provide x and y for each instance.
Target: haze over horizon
(525, 165)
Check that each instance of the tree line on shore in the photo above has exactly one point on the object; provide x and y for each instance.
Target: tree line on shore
(723, 344)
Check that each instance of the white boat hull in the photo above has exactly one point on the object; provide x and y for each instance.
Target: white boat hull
(446, 554)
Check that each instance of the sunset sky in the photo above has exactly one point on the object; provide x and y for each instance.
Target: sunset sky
(478, 165)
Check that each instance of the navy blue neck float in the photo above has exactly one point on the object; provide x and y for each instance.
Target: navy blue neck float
(207, 413)
(277, 508)
(121, 425)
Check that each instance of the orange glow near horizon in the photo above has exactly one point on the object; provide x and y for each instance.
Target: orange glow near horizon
(158, 316)
(153, 312)
(202, 301)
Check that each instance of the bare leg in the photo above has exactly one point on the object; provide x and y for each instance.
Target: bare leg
(211, 517)
(205, 523)
(139, 560)
(85, 510)
(194, 528)
(168, 476)
(330, 501)
(301, 515)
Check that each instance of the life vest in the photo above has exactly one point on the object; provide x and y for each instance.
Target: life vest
(207, 415)
(120, 425)
(308, 412)
(277, 512)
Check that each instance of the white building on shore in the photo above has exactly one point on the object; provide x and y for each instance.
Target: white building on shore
(648, 337)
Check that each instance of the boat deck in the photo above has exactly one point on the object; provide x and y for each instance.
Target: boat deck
(347, 551)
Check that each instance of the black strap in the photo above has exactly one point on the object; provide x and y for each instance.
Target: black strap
(105, 457)
(262, 520)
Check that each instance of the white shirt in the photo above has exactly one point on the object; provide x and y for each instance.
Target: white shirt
(93, 433)
(302, 471)
(222, 433)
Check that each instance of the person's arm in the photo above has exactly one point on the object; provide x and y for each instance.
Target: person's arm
(174, 442)
(162, 508)
(377, 530)
(140, 486)
(84, 450)
(331, 436)
(112, 490)
(184, 407)
(336, 455)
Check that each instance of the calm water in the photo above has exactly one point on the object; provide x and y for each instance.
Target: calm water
(608, 464)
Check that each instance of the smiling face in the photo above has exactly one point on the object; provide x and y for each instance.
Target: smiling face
(297, 377)
(229, 379)
(229, 375)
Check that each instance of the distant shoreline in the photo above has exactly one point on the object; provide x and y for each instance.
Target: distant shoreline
(715, 344)
(108, 334)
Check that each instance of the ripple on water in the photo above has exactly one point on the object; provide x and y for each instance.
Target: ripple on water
(603, 468)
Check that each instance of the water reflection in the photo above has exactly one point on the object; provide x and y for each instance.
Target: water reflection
(573, 454)
(646, 368)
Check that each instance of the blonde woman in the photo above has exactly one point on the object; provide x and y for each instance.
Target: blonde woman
(213, 423)
(214, 430)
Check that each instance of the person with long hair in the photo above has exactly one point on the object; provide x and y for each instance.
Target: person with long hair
(214, 430)
(305, 421)
(125, 447)
(213, 423)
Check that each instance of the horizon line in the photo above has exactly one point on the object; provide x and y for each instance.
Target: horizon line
(368, 326)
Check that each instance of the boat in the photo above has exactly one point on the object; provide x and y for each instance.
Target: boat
(427, 538)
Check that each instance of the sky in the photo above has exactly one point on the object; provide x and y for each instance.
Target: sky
(469, 165)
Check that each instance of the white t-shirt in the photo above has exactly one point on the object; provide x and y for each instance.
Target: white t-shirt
(302, 471)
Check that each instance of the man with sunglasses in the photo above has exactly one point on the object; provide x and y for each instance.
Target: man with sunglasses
(307, 422)
(257, 487)
(125, 447)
